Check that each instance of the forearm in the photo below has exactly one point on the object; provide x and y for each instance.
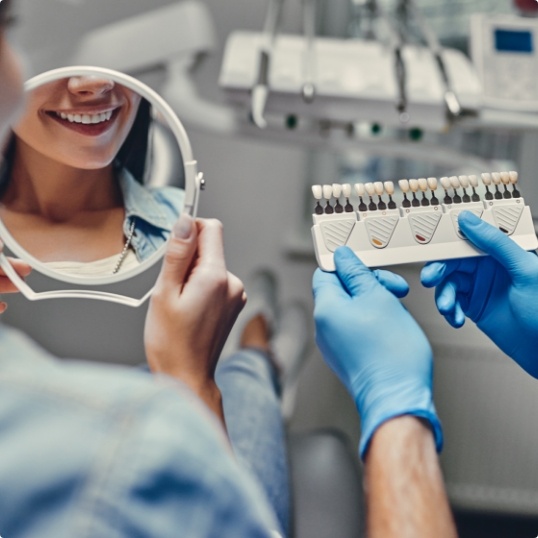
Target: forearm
(405, 493)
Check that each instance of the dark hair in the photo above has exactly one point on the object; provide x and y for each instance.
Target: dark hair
(134, 151)
(5, 13)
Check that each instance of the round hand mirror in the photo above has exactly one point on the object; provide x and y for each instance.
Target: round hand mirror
(95, 173)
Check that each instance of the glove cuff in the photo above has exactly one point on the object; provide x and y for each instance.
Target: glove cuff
(371, 422)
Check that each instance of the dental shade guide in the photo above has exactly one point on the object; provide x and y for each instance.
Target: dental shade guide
(416, 230)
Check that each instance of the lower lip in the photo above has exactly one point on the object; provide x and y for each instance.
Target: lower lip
(88, 129)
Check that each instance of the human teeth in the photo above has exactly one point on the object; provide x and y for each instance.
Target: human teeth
(86, 119)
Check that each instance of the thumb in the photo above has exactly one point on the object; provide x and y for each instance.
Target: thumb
(495, 243)
(179, 254)
(355, 276)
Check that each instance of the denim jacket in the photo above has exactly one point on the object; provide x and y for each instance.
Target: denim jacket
(105, 451)
(153, 210)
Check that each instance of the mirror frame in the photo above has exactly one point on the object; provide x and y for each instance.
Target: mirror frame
(193, 184)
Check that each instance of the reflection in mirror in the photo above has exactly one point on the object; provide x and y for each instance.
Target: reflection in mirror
(82, 186)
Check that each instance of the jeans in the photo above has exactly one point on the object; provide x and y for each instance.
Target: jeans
(250, 393)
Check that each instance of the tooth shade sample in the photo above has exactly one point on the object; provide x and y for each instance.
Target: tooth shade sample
(317, 191)
(513, 177)
(505, 178)
(445, 182)
(423, 184)
(413, 185)
(404, 185)
(359, 189)
(337, 190)
(346, 190)
(379, 189)
(370, 189)
(474, 181)
(327, 192)
(496, 178)
(486, 179)
(464, 181)
(389, 187)
(432, 183)
(454, 181)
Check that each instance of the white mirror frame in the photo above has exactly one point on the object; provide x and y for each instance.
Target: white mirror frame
(193, 184)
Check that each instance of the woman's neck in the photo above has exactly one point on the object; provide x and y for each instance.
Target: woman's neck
(55, 191)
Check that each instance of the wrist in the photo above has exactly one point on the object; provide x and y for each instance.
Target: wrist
(378, 409)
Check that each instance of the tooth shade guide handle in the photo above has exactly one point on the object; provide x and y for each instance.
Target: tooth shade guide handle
(514, 177)
(346, 191)
(486, 180)
(328, 194)
(404, 187)
(464, 182)
(389, 188)
(496, 178)
(505, 178)
(361, 190)
(337, 192)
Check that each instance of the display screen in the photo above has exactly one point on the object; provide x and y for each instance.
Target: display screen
(513, 41)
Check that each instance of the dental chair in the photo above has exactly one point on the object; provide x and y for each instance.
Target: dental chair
(327, 498)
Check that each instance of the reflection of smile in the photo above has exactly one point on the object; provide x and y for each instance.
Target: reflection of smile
(88, 122)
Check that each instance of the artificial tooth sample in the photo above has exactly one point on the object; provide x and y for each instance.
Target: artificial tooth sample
(337, 192)
(404, 187)
(317, 191)
(464, 182)
(389, 188)
(432, 183)
(328, 194)
(346, 191)
(360, 190)
(423, 186)
(370, 189)
(473, 180)
(455, 183)
(496, 178)
(379, 190)
(514, 176)
(505, 178)
(413, 185)
(486, 180)
(445, 183)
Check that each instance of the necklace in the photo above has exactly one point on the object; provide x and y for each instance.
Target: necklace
(125, 248)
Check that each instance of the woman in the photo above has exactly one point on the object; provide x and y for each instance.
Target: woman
(95, 451)
(69, 195)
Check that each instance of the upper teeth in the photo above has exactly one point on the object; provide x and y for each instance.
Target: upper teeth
(86, 118)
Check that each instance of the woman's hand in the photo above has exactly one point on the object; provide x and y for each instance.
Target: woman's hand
(6, 286)
(193, 308)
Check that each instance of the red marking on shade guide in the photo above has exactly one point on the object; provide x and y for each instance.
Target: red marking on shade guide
(420, 238)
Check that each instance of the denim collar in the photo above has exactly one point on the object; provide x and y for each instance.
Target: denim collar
(140, 203)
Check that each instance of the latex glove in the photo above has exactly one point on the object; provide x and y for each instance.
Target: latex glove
(373, 345)
(193, 307)
(6, 286)
(498, 292)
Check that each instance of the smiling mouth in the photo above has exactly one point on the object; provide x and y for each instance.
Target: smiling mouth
(87, 124)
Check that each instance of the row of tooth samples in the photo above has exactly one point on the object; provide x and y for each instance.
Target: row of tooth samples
(456, 191)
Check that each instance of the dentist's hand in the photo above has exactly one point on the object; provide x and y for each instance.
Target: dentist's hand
(373, 345)
(193, 308)
(498, 292)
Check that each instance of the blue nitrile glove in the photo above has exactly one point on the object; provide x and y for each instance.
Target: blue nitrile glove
(498, 292)
(373, 345)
